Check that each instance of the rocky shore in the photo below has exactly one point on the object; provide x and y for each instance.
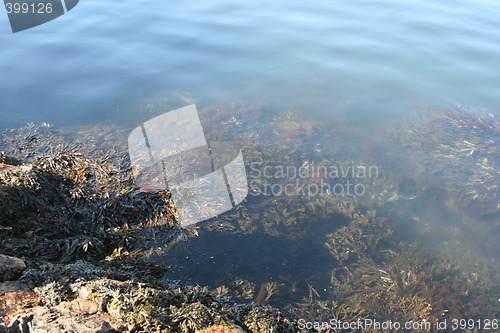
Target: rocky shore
(76, 302)
(70, 231)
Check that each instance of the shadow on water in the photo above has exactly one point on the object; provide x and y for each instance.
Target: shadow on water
(218, 259)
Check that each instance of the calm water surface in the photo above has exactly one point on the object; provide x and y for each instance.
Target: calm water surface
(360, 62)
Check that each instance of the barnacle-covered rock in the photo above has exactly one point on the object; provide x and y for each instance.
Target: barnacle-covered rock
(54, 293)
(176, 308)
(87, 306)
(70, 316)
(15, 296)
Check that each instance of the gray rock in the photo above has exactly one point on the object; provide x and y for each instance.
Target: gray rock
(11, 268)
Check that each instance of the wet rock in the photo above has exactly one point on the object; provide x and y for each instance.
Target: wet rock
(10, 267)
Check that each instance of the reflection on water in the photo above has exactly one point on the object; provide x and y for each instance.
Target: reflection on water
(360, 62)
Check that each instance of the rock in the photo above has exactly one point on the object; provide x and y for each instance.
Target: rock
(221, 329)
(8, 167)
(10, 267)
(14, 298)
(11, 287)
(78, 315)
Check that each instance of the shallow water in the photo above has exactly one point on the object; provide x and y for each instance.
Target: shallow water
(359, 68)
(299, 239)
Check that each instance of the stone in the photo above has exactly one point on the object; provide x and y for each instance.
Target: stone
(78, 315)
(15, 297)
(11, 268)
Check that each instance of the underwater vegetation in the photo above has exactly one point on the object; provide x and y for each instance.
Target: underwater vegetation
(461, 147)
(69, 205)
(390, 249)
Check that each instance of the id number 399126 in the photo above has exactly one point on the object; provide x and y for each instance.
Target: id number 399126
(28, 8)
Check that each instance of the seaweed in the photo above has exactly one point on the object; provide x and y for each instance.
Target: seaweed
(69, 205)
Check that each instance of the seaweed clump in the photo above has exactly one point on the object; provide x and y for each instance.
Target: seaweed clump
(62, 201)
(179, 308)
